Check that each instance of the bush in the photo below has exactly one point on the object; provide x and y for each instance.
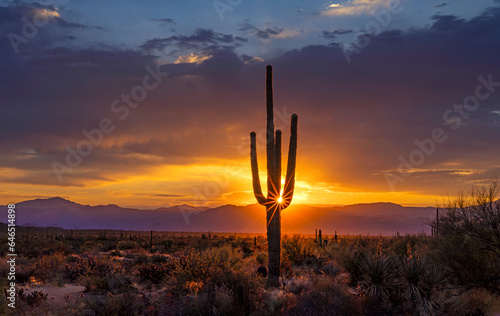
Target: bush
(376, 275)
(473, 302)
(231, 293)
(468, 236)
(113, 283)
(261, 258)
(326, 297)
(35, 298)
(155, 272)
(126, 244)
(123, 305)
(87, 264)
(48, 266)
(294, 249)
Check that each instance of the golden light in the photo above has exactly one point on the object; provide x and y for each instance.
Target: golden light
(280, 199)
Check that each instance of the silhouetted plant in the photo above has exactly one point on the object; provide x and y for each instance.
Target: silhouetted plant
(469, 236)
(274, 202)
(155, 272)
(35, 298)
(376, 275)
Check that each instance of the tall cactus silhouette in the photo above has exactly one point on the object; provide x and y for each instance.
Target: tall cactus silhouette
(274, 202)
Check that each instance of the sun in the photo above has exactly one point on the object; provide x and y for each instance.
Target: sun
(280, 199)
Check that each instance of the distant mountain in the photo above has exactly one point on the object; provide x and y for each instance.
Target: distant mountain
(375, 218)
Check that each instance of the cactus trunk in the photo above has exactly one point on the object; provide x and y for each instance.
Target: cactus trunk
(274, 203)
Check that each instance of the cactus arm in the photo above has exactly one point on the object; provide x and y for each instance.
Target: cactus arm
(255, 171)
(270, 133)
(277, 164)
(290, 170)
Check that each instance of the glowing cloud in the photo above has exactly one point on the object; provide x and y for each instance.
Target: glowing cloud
(355, 7)
(192, 59)
(46, 14)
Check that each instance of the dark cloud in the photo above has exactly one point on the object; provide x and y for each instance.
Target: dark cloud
(63, 23)
(200, 39)
(396, 91)
(264, 33)
(165, 20)
(447, 22)
(440, 5)
(332, 34)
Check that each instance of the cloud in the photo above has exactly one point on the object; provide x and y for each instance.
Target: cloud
(268, 32)
(333, 34)
(355, 7)
(440, 5)
(353, 122)
(201, 38)
(192, 58)
(46, 14)
(165, 20)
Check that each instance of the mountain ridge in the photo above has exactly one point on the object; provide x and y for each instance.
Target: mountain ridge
(373, 218)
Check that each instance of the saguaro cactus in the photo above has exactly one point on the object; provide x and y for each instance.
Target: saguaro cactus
(274, 202)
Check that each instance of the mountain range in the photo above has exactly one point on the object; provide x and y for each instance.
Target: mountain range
(373, 218)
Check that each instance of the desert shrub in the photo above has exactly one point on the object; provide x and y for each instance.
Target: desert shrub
(155, 271)
(24, 272)
(138, 259)
(294, 249)
(418, 281)
(470, 221)
(35, 298)
(330, 269)
(326, 297)
(375, 277)
(261, 258)
(194, 266)
(159, 259)
(168, 245)
(77, 266)
(92, 245)
(126, 244)
(48, 266)
(474, 302)
(229, 293)
(113, 283)
(350, 263)
(123, 305)
(467, 264)
(246, 249)
(400, 245)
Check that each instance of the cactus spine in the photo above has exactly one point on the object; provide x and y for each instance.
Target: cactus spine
(274, 203)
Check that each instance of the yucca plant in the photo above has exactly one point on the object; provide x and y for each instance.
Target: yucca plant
(418, 279)
(376, 275)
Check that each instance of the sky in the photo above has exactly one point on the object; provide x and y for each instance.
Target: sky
(150, 104)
